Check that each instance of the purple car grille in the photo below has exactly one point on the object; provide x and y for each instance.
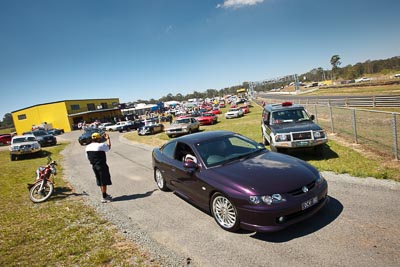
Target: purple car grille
(299, 191)
(302, 136)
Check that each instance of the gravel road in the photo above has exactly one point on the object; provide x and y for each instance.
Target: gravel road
(359, 227)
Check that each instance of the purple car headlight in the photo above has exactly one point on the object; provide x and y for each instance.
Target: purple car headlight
(320, 179)
(267, 199)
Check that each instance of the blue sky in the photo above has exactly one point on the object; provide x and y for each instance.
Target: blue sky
(52, 50)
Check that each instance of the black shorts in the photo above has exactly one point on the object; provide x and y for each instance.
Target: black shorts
(102, 173)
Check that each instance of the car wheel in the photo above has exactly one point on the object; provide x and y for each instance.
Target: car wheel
(225, 213)
(13, 157)
(161, 183)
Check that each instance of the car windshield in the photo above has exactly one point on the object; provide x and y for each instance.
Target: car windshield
(227, 149)
(23, 139)
(185, 120)
(39, 133)
(290, 115)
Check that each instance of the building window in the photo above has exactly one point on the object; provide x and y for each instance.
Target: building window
(115, 104)
(104, 105)
(22, 117)
(75, 107)
(91, 106)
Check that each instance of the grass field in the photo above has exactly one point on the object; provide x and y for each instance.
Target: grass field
(62, 231)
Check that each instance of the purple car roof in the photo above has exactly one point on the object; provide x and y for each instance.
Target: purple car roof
(203, 136)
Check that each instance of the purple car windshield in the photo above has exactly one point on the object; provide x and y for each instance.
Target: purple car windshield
(223, 150)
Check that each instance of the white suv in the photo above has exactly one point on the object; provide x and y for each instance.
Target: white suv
(116, 127)
(24, 145)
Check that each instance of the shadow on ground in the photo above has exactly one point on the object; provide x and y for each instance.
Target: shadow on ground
(324, 217)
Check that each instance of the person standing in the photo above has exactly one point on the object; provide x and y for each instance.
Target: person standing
(96, 154)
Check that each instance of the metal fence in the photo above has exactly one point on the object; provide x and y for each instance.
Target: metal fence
(377, 130)
(352, 101)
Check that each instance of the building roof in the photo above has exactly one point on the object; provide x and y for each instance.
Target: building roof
(61, 101)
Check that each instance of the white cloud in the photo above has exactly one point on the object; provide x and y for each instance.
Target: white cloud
(238, 3)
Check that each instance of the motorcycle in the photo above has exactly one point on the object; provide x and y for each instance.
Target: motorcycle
(43, 187)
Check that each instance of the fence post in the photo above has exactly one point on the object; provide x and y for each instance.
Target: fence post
(316, 114)
(355, 126)
(396, 153)
(331, 117)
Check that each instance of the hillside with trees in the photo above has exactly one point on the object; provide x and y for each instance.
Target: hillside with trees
(350, 72)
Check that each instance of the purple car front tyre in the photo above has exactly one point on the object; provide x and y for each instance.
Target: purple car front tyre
(224, 213)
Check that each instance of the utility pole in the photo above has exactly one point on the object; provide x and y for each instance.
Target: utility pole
(296, 83)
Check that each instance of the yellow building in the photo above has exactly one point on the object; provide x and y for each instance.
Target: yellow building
(66, 114)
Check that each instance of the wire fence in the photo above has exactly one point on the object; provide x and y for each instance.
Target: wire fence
(377, 130)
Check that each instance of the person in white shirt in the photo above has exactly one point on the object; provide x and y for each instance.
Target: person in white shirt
(96, 154)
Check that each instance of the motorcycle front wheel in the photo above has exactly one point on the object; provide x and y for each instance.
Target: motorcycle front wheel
(38, 195)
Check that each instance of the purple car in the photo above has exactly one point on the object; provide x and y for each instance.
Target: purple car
(237, 180)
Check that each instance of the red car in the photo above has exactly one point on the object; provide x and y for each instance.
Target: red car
(207, 118)
(216, 111)
(5, 139)
(245, 109)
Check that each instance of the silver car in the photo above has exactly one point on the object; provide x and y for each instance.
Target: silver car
(182, 126)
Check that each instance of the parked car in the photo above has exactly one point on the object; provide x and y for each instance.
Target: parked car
(55, 131)
(86, 138)
(245, 109)
(134, 125)
(240, 101)
(5, 139)
(103, 125)
(116, 127)
(312, 84)
(243, 185)
(234, 112)
(43, 137)
(166, 118)
(207, 118)
(363, 79)
(289, 126)
(151, 128)
(216, 111)
(23, 145)
(125, 126)
(182, 125)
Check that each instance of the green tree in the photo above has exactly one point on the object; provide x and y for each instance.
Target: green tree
(7, 121)
(335, 62)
